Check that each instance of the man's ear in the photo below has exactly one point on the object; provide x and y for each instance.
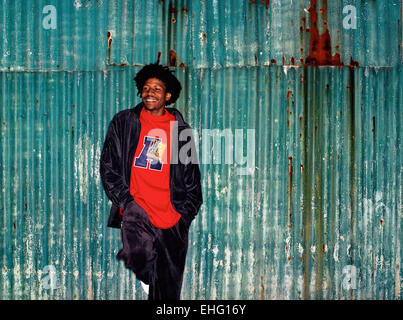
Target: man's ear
(168, 96)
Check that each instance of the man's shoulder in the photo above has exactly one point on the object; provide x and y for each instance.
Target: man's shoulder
(127, 114)
(178, 116)
(123, 114)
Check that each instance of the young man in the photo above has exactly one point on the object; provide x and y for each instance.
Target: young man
(154, 187)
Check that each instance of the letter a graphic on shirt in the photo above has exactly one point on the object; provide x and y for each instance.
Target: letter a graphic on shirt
(151, 153)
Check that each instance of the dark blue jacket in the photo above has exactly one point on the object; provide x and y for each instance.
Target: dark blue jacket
(117, 158)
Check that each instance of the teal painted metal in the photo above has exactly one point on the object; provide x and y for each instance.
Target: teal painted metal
(319, 217)
(203, 34)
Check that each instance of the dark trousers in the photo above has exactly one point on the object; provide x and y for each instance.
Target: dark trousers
(156, 256)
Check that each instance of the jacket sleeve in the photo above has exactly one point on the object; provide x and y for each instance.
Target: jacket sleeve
(194, 198)
(192, 177)
(111, 167)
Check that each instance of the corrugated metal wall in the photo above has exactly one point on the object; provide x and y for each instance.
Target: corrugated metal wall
(317, 215)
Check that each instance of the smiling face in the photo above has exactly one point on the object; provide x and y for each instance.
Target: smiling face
(154, 96)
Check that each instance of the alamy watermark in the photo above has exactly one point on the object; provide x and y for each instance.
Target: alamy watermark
(350, 20)
(218, 146)
(49, 279)
(349, 281)
(49, 21)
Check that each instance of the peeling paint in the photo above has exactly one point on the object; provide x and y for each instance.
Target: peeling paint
(86, 157)
(336, 252)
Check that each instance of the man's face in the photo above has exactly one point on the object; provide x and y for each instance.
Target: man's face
(154, 96)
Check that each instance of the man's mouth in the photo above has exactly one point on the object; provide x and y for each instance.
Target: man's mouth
(150, 99)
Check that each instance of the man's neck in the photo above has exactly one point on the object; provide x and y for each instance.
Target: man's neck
(160, 112)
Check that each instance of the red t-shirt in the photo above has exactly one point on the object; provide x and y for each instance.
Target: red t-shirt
(149, 181)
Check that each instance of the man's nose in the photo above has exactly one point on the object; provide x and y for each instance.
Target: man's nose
(151, 91)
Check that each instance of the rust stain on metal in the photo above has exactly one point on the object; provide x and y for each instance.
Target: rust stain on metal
(300, 134)
(172, 59)
(262, 287)
(354, 63)
(109, 38)
(303, 19)
(290, 174)
(289, 113)
(320, 47)
(290, 170)
(373, 124)
(172, 9)
(267, 2)
(307, 179)
(353, 176)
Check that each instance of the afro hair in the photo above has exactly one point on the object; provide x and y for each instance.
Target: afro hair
(163, 73)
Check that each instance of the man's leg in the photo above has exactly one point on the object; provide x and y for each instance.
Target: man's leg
(138, 236)
(171, 246)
